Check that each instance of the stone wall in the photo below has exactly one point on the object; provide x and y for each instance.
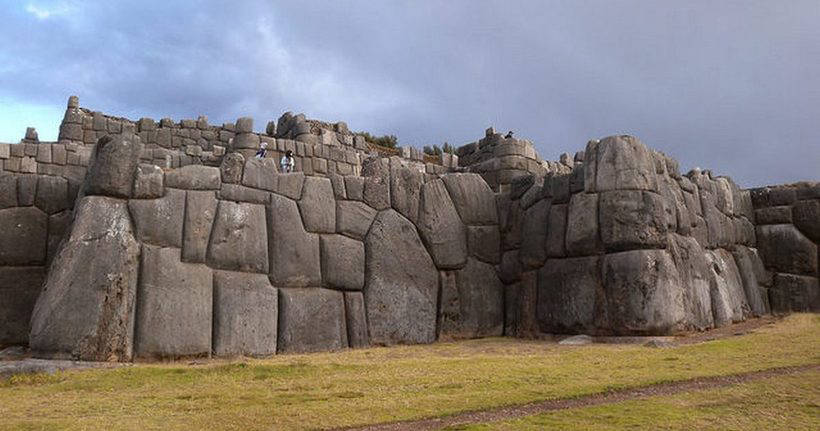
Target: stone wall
(152, 243)
(239, 259)
(624, 244)
(788, 235)
(500, 160)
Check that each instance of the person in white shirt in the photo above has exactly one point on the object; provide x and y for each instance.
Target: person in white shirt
(287, 163)
(263, 151)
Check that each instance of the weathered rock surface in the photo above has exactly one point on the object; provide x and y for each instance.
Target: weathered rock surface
(807, 218)
(356, 320)
(311, 320)
(86, 307)
(148, 182)
(556, 230)
(582, 237)
(695, 278)
(472, 197)
(484, 243)
(113, 164)
(571, 295)
(754, 279)
(23, 235)
(632, 219)
(795, 293)
(643, 292)
(401, 283)
(52, 194)
(472, 302)
(194, 177)
(618, 163)
(200, 210)
(19, 289)
(239, 240)
(534, 235)
(342, 262)
(159, 221)
(293, 252)
(520, 303)
(245, 314)
(354, 218)
(318, 206)
(785, 249)
(441, 228)
(174, 306)
(405, 189)
(729, 303)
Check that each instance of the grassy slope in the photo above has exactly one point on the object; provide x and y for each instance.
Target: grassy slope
(781, 403)
(379, 384)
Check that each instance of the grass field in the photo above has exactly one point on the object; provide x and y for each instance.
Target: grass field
(780, 403)
(358, 387)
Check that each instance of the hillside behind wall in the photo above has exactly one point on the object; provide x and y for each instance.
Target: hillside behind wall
(219, 254)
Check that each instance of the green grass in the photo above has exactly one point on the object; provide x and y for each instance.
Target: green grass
(379, 384)
(778, 403)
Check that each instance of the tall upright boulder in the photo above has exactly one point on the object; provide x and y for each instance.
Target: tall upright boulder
(114, 162)
(86, 309)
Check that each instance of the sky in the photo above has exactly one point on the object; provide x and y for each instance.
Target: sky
(732, 86)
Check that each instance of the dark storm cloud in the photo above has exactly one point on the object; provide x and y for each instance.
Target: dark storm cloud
(731, 86)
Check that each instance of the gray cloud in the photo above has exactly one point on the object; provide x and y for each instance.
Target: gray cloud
(732, 86)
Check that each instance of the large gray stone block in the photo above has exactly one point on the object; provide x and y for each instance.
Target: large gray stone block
(376, 173)
(19, 289)
(807, 218)
(520, 302)
(695, 278)
(794, 293)
(148, 182)
(484, 243)
(582, 237)
(232, 168)
(354, 218)
(728, 297)
(86, 308)
(356, 320)
(754, 278)
(441, 228)
(52, 194)
(643, 293)
(291, 185)
(472, 197)
(200, 210)
(23, 234)
(318, 206)
(159, 221)
(114, 161)
(405, 188)
(245, 314)
(571, 296)
(619, 163)
(632, 219)
(472, 302)
(261, 174)
(8, 191)
(556, 230)
(785, 249)
(239, 239)
(311, 320)
(401, 283)
(342, 262)
(534, 235)
(174, 306)
(194, 177)
(294, 253)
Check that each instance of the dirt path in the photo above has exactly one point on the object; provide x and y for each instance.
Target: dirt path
(513, 412)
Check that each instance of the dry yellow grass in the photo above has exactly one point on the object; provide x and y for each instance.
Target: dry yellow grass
(379, 384)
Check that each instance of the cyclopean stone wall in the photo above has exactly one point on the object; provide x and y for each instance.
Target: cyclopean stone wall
(788, 235)
(109, 252)
(243, 260)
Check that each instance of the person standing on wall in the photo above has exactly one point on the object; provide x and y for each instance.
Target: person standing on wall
(263, 151)
(287, 162)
